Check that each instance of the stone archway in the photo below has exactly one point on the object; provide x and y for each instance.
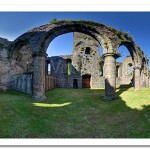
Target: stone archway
(136, 63)
(109, 38)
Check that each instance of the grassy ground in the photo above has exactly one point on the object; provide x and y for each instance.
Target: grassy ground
(76, 113)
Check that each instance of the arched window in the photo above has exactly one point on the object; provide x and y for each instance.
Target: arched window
(130, 69)
(101, 70)
(124, 52)
(101, 63)
(49, 69)
(69, 67)
(27, 62)
(87, 50)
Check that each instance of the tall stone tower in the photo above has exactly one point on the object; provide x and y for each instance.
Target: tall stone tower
(86, 59)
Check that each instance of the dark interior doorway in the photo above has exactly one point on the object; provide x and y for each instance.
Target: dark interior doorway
(75, 83)
(86, 81)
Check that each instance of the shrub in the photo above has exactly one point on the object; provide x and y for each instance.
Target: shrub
(119, 32)
(125, 34)
(130, 37)
(53, 21)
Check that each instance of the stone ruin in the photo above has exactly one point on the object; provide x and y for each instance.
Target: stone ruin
(89, 65)
(24, 64)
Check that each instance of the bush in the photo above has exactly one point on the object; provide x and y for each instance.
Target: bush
(125, 34)
(119, 32)
(53, 21)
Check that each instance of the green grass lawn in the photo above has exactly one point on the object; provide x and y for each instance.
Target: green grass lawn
(75, 113)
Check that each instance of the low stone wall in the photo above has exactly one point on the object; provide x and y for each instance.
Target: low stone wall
(50, 82)
(23, 82)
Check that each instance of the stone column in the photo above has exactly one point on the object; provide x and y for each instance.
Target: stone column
(136, 78)
(110, 75)
(39, 76)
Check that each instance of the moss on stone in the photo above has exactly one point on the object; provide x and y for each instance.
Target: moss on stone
(1, 45)
(77, 21)
(82, 49)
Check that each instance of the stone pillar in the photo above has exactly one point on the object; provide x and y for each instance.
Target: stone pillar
(110, 75)
(136, 78)
(39, 76)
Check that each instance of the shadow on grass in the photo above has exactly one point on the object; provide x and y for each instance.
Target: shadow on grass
(122, 88)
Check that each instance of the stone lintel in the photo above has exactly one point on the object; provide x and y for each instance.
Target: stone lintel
(111, 54)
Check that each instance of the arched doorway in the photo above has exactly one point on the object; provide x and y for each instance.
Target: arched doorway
(131, 65)
(124, 69)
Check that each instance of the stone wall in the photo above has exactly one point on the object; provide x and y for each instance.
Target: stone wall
(8, 68)
(126, 75)
(59, 69)
(4, 44)
(86, 58)
(144, 78)
(22, 82)
(20, 63)
(23, 57)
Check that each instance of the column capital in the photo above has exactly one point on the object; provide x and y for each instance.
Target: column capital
(39, 54)
(111, 54)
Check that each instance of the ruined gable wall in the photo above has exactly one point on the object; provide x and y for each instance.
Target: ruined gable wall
(126, 75)
(87, 63)
(59, 69)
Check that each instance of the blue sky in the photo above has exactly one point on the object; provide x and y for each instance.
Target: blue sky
(13, 24)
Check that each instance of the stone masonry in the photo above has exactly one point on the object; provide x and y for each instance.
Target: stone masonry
(85, 68)
(86, 58)
(88, 64)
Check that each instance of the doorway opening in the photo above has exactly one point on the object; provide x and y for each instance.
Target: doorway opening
(75, 83)
(86, 79)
